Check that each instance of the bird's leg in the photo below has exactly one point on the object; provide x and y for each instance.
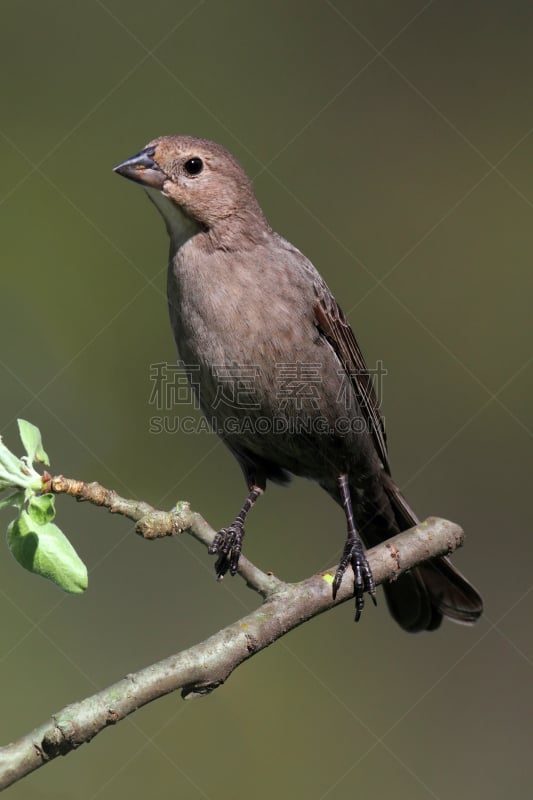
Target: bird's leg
(354, 554)
(228, 541)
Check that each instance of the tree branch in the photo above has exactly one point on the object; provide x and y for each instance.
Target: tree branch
(201, 668)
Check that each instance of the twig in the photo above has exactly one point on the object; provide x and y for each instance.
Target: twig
(203, 667)
(154, 524)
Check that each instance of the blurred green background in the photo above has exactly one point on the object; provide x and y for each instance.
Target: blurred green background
(391, 142)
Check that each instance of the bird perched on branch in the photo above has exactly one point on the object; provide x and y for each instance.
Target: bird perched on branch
(278, 371)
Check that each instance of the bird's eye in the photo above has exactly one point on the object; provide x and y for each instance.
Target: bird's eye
(194, 166)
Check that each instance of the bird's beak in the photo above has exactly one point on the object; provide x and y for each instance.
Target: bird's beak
(143, 169)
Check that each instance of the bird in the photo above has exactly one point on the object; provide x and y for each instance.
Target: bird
(277, 367)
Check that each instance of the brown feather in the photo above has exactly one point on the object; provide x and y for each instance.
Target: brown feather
(332, 323)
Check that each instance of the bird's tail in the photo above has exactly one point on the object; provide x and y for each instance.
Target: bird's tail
(420, 598)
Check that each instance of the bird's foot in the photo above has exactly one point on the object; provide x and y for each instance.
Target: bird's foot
(228, 544)
(363, 580)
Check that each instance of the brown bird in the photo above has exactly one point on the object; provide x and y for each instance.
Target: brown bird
(277, 369)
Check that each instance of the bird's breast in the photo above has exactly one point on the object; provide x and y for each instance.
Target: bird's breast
(234, 309)
(245, 328)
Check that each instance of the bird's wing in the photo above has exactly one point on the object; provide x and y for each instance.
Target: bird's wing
(334, 326)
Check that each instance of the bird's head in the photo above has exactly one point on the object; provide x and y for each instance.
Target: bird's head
(196, 184)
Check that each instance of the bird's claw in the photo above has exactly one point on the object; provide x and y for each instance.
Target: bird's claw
(228, 544)
(363, 579)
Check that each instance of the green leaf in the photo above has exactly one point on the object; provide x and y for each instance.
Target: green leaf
(41, 508)
(5, 484)
(46, 551)
(16, 499)
(9, 463)
(31, 439)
